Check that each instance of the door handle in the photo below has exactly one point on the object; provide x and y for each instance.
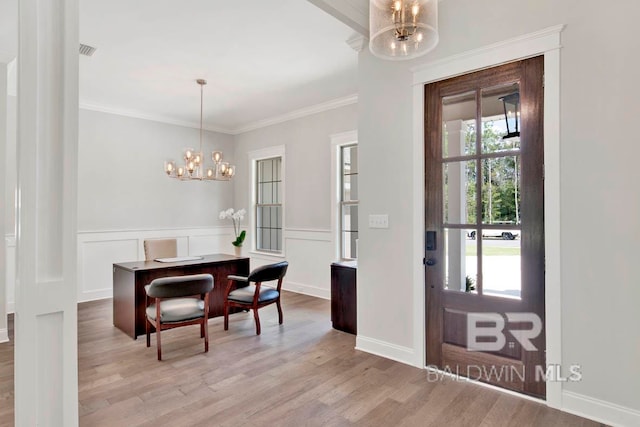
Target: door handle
(430, 262)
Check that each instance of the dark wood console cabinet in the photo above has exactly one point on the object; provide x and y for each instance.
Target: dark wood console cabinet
(343, 296)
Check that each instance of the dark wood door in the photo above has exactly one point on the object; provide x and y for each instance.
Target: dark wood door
(484, 228)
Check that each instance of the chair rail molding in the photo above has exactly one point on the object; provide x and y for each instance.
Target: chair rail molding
(98, 250)
(309, 270)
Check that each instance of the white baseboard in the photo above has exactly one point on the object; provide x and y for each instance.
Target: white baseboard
(95, 295)
(4, 335)
(599, 410)
(395, 352)
(313, 291)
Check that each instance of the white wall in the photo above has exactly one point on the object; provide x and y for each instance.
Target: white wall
(10, 178)
(122, 184)
(597, 189)
(10, 170)
(124, 196)
(385, 154)
(4, 102)
(307, 229)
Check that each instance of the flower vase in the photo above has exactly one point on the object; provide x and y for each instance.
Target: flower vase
(238, 250)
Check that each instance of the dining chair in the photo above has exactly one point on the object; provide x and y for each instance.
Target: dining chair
(178, 301)
(160, 248)
(242, 293)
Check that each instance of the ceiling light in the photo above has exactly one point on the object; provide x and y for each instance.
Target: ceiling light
(194, 168)
(411, 25)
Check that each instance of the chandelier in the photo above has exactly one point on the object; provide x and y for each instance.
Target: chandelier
(402, 29)
(194, 168)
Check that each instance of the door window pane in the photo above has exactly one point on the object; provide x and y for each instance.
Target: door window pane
(459, 192)
(500, 132)
(501, 190)
(501, 264)
(461, 260)
(458, 124)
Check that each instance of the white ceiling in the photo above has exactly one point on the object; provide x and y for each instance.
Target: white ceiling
(262, 58)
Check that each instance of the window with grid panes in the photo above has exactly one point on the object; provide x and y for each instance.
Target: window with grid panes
(269, 205)
(348, 201)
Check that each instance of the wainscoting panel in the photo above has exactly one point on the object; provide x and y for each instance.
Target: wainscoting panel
(97, 251)
(96, 266)
(204, 244)
(310, 254)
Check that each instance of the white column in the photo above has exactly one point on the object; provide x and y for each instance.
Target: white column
(4, 337)
(46, 366)
(457, 197)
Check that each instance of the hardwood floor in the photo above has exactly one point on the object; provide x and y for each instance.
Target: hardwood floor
(300, 373)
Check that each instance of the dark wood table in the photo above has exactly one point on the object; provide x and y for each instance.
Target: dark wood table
(130, 278)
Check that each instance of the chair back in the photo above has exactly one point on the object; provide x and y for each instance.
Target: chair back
(270, 272)
(180, 286)
(160, 248)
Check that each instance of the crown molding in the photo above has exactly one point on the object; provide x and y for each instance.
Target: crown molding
(357, 42)
(152, 117)
(296, 114)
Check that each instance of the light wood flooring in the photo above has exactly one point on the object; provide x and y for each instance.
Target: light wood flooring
(303, 373)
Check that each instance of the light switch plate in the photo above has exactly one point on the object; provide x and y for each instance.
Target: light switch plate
(379, 221)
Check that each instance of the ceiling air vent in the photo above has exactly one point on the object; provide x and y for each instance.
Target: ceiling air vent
(87, 50)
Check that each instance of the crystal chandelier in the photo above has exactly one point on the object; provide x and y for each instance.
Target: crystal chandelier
(402, 29)
(194, 168)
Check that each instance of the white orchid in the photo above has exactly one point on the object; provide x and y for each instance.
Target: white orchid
(236, 217)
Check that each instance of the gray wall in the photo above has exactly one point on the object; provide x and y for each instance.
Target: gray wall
(308, 164)
(122, 185)
(600, 204)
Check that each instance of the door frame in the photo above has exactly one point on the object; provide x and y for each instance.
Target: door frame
(545, 42)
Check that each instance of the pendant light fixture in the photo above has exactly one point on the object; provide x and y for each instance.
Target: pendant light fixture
(194, 168)
(402, 29)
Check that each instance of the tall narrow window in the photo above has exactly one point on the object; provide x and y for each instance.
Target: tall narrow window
(269, 205)
(349, 201)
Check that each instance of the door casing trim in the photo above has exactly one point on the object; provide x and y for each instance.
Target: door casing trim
(544, 42)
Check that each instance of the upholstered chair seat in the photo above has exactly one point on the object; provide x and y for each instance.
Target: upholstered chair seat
(249, 296)
(178, 301)
(177, 310)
